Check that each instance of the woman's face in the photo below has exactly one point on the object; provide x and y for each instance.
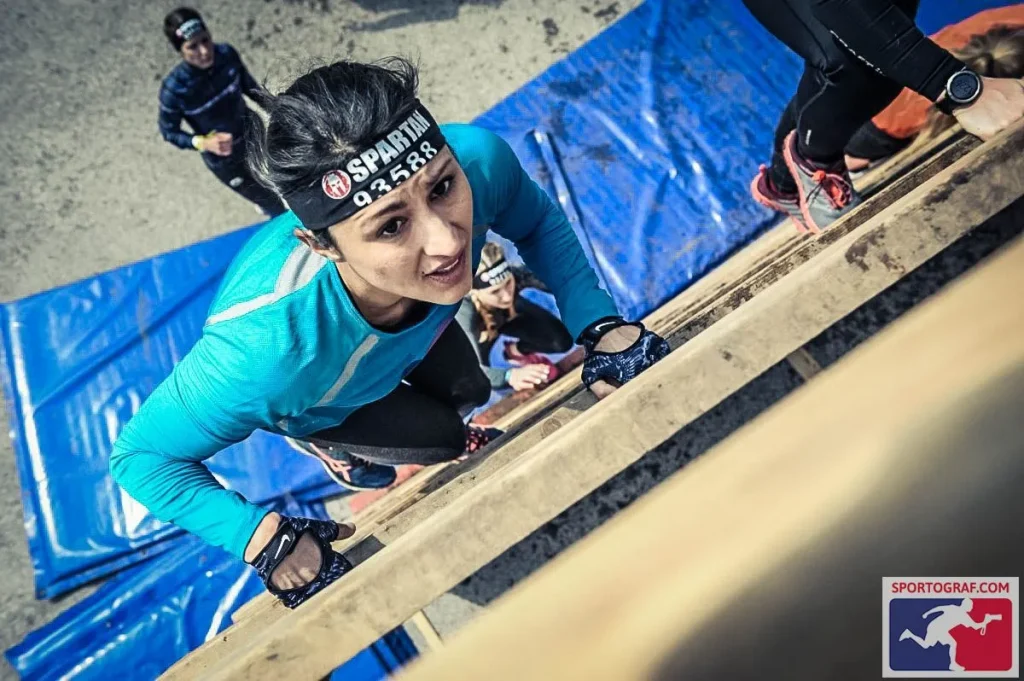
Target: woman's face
(500, 296)
(198, 51)
(414, 242)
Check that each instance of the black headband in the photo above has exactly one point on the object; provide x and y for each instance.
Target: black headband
(370, 174)
(493, 275)
(188, 30)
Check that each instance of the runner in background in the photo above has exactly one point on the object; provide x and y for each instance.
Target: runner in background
(496, 307)
(991, 43)
(205, 91)
(858, 56)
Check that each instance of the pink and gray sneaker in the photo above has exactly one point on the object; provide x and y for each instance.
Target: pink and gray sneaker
(826, 194)
(765, 193)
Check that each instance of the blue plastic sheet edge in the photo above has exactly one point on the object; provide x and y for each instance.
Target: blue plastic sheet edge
(148, 616)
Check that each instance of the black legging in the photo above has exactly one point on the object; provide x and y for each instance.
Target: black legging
(232, 171)
(420, 422)
(838, 91)
(872, 143)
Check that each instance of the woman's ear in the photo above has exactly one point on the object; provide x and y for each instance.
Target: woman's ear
(319, 244)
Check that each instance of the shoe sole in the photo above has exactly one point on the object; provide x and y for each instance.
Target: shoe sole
(777, 207)
(330, 471)
(794, 170)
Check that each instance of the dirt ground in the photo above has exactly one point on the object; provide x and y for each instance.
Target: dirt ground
(87, 183)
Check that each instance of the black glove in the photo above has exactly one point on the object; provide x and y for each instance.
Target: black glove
(623, 366)
(281, 545)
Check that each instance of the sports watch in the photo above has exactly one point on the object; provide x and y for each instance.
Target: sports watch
(962, 89)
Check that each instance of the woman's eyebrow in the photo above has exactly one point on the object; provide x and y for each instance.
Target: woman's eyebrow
(431, 179)
(390, 208)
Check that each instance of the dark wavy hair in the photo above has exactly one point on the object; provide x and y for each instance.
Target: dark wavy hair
(325, 117)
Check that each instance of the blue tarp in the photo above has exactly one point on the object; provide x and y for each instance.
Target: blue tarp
(152, 614)
(78, 361)
(647, 136)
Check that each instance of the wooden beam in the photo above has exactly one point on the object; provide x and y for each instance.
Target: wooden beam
(714, 288)
(462, 536)
(712, 298)
(765, 558)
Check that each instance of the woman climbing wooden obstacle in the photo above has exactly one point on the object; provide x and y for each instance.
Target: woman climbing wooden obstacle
(332, 326)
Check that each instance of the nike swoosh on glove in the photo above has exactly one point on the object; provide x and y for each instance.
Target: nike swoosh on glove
(332, 564)
(625, 365)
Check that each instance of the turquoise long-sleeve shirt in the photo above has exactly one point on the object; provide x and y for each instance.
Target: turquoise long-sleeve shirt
(284, 348)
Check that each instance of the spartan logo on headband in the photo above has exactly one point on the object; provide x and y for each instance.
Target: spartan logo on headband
(337, 184)
(372, 173)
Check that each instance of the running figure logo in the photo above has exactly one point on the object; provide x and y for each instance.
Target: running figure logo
(953, 628)
(939, 628)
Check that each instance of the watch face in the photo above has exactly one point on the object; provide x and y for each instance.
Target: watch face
(964, 87)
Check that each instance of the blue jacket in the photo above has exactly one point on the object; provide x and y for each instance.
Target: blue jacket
(284, 348)
(207, 99)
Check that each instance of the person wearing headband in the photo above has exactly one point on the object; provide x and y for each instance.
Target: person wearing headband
(495, 307)
(333, 325)
(205, 91)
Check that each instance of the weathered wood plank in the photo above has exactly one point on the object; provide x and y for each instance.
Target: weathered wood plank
(803, 363)
(764, 558)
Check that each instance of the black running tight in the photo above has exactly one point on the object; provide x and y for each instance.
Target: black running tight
(858, 55)
(419, 422)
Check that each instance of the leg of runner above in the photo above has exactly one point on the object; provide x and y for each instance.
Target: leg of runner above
(451, 374)
(233, 172)
(406, 426)
(836, 95)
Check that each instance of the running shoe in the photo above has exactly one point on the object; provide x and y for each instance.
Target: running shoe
(348, 470)
(765, 193)
(826, 194)
(478, 437)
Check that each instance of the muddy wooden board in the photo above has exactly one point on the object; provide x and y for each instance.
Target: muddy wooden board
(731, 567)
